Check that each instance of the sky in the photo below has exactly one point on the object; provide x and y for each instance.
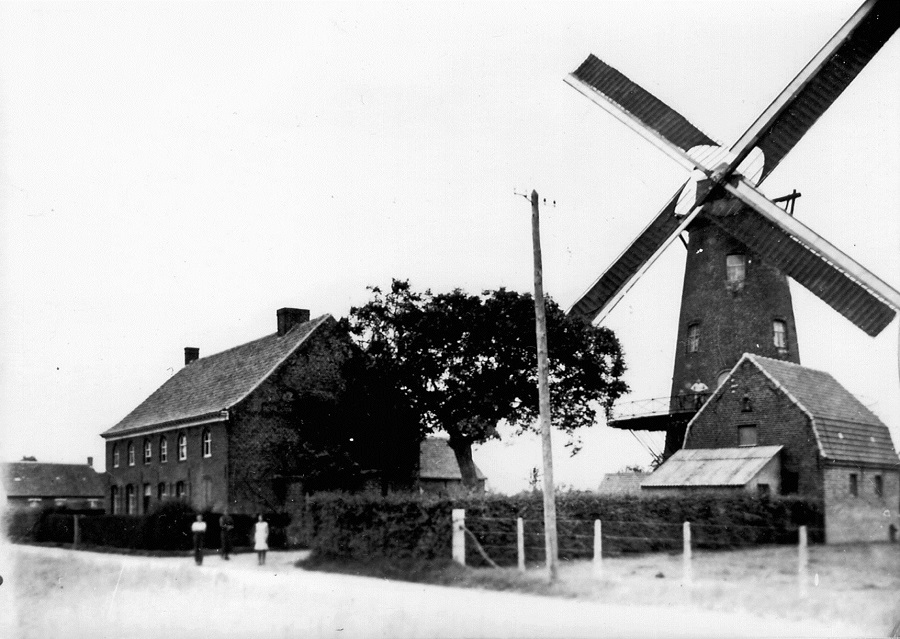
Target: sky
(171, 174)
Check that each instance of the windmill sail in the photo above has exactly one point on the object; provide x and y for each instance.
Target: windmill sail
(818, 85)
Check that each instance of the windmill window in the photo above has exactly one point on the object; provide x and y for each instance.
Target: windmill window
(736, 267)
(130, 454)
(746, 405)
(693, 338)
(779, 334)
(747, 435)
(163, 450)
(854, 484)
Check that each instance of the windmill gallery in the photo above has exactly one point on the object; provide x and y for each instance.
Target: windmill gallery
(739, 394)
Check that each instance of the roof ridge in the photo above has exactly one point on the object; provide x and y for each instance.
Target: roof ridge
(259, 339)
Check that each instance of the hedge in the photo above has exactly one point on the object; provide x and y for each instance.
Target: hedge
(167, 528)
(411, 526)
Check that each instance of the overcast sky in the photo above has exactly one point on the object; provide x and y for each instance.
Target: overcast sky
(171, 174)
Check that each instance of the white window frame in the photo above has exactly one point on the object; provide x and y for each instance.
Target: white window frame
(131, 453)
(148, 451)
(115, 455)
(182, 447)
(735, 269)
(163, 450)
(779, 334)
(207, 442)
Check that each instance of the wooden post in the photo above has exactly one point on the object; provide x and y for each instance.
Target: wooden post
(75, 532)
(520, 538)
(803, 561)
(598, 549)
(459, 536)
(688, 573)
(550, 539)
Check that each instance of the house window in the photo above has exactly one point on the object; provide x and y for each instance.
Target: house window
(747, 435)
(693, 338)
(146, 504)
(163, 450)
(746, 405)
(879, 486)
(148, 451)
(735, 267)
(207, 443)
(130, 454)
(115, 456)
(179, 490)
(182, 447)
(161, 492)
(779, 334)
(114, 500)
(129, 500)
(854, 484)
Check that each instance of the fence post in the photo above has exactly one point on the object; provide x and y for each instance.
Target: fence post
(688, 573)
(75, 532)
(598, 549)
(459, 535)
(520, 537)
(803, 561)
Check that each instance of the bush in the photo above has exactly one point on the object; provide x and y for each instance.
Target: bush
(404, 526)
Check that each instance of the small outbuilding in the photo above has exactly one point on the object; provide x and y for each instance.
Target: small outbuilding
(797, 431)
(33, 484)
(438, 469)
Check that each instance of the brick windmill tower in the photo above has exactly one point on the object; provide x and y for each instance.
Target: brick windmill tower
(741, 246)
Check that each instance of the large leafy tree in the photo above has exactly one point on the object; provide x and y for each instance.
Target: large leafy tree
(463, 363)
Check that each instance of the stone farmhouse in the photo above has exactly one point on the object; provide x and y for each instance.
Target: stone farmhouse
(33, 484)
(207, 434)
(773, 426)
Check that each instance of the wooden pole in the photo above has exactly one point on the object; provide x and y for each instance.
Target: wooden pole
(459, 535)
(598, 549)
(540, 314)
(76, 536)
(688, 574)
(520, 538)
(802, 561)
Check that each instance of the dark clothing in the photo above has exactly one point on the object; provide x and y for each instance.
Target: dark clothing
(198, 547)
(226, 524)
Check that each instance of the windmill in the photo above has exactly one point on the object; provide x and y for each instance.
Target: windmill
(742, 246)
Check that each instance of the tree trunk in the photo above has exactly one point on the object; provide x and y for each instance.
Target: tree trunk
(463, 452)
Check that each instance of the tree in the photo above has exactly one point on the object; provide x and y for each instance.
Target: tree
(463, 363)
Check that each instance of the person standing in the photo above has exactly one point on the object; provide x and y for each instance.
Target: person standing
(261, 539)
(198, 528)
(226, 524)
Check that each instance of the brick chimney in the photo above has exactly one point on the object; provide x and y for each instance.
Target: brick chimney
(191, 354)
(288, 318)
(91, 462)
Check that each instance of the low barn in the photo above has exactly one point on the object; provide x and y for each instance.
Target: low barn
(439, 470)
(210, 435)
(794, 430)
(33, 484)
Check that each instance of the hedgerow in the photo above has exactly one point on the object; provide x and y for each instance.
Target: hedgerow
(405, 526)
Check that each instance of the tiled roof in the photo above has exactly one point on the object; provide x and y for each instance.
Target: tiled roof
(437, 460)
(38, 479)
(627, 483)
(845, 428)
(712, 466)
(218, 382)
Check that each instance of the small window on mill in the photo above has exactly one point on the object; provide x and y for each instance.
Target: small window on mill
(736, 267)
(693, 338)
(747, 435)
(746, 406)
(779, 334)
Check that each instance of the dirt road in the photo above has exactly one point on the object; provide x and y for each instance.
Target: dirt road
(62, 593)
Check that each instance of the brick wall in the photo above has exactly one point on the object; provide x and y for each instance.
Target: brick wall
(778, 422)
(865, 516)
(733, 319)
(203, 477)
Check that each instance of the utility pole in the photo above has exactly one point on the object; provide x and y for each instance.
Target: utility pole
(550, 540)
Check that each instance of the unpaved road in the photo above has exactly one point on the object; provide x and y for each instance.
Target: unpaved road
(51, 592)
